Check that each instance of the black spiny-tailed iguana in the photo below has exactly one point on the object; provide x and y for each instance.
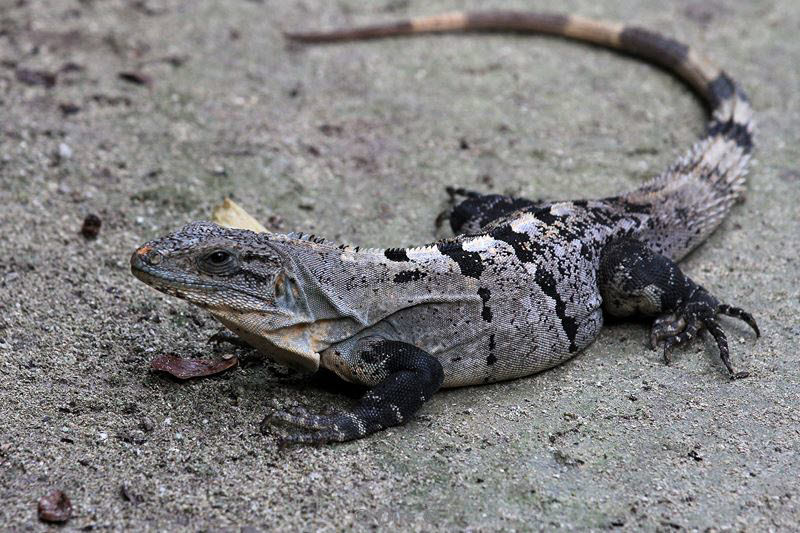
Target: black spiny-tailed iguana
(521, 288)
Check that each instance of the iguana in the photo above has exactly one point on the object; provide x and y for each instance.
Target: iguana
(521, 288)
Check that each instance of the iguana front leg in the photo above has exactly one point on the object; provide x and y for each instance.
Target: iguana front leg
(406, 378)
(634, 280)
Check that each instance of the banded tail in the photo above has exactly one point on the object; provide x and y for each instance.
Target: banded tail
(690, 199)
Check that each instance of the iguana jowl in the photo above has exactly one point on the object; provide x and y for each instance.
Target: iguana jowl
(521, 288)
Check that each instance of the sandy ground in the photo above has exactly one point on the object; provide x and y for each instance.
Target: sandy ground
(356, 142)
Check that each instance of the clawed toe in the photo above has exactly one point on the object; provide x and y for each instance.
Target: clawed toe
(303, 435)
(300, 418)
(313, 438)
(681, 331)
(741, 314)
(226, 337)
(665, 327)
(310, 428)
(679, 328)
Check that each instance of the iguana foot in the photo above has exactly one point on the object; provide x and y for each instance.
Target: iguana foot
(699, 313)
(635, 280)
(411, 377)
(224, 336)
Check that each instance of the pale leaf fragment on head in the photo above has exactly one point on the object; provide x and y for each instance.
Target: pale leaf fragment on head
(231, 215)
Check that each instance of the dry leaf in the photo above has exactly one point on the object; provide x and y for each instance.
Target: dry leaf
(191, 368)
(230, 215)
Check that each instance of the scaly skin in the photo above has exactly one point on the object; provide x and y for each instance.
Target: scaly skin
(521, 289)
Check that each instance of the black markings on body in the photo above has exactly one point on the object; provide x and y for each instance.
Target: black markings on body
(520, 242)
(469, 262)
(547, 283)
(486, 312)
(409, 275)
(546, 216)
(491, 358)
(524, 250)
(396, 254)
(587, 252)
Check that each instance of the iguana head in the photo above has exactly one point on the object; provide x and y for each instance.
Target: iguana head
(244, 279)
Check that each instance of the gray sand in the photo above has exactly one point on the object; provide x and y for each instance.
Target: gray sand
(356, 142)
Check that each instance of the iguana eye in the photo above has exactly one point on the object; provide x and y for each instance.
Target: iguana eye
(219, 262)
(219, 258)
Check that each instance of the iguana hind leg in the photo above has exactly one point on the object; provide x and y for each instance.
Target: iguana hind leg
(634, 280)
(408, 378)
(471, 211)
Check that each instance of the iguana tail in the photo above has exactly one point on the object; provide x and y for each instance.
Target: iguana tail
(690, 199)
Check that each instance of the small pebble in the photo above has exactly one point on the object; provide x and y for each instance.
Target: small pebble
(64, 151)
(135, 77)
(147, 425)
(68, 108)
(91, 226)
(55, 507)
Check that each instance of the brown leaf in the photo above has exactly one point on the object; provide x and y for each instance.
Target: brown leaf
(55, 507)
(191, 368)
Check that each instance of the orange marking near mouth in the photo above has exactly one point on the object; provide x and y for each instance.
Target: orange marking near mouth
(143, 250)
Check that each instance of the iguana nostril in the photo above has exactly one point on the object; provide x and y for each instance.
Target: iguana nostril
(149, 256)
